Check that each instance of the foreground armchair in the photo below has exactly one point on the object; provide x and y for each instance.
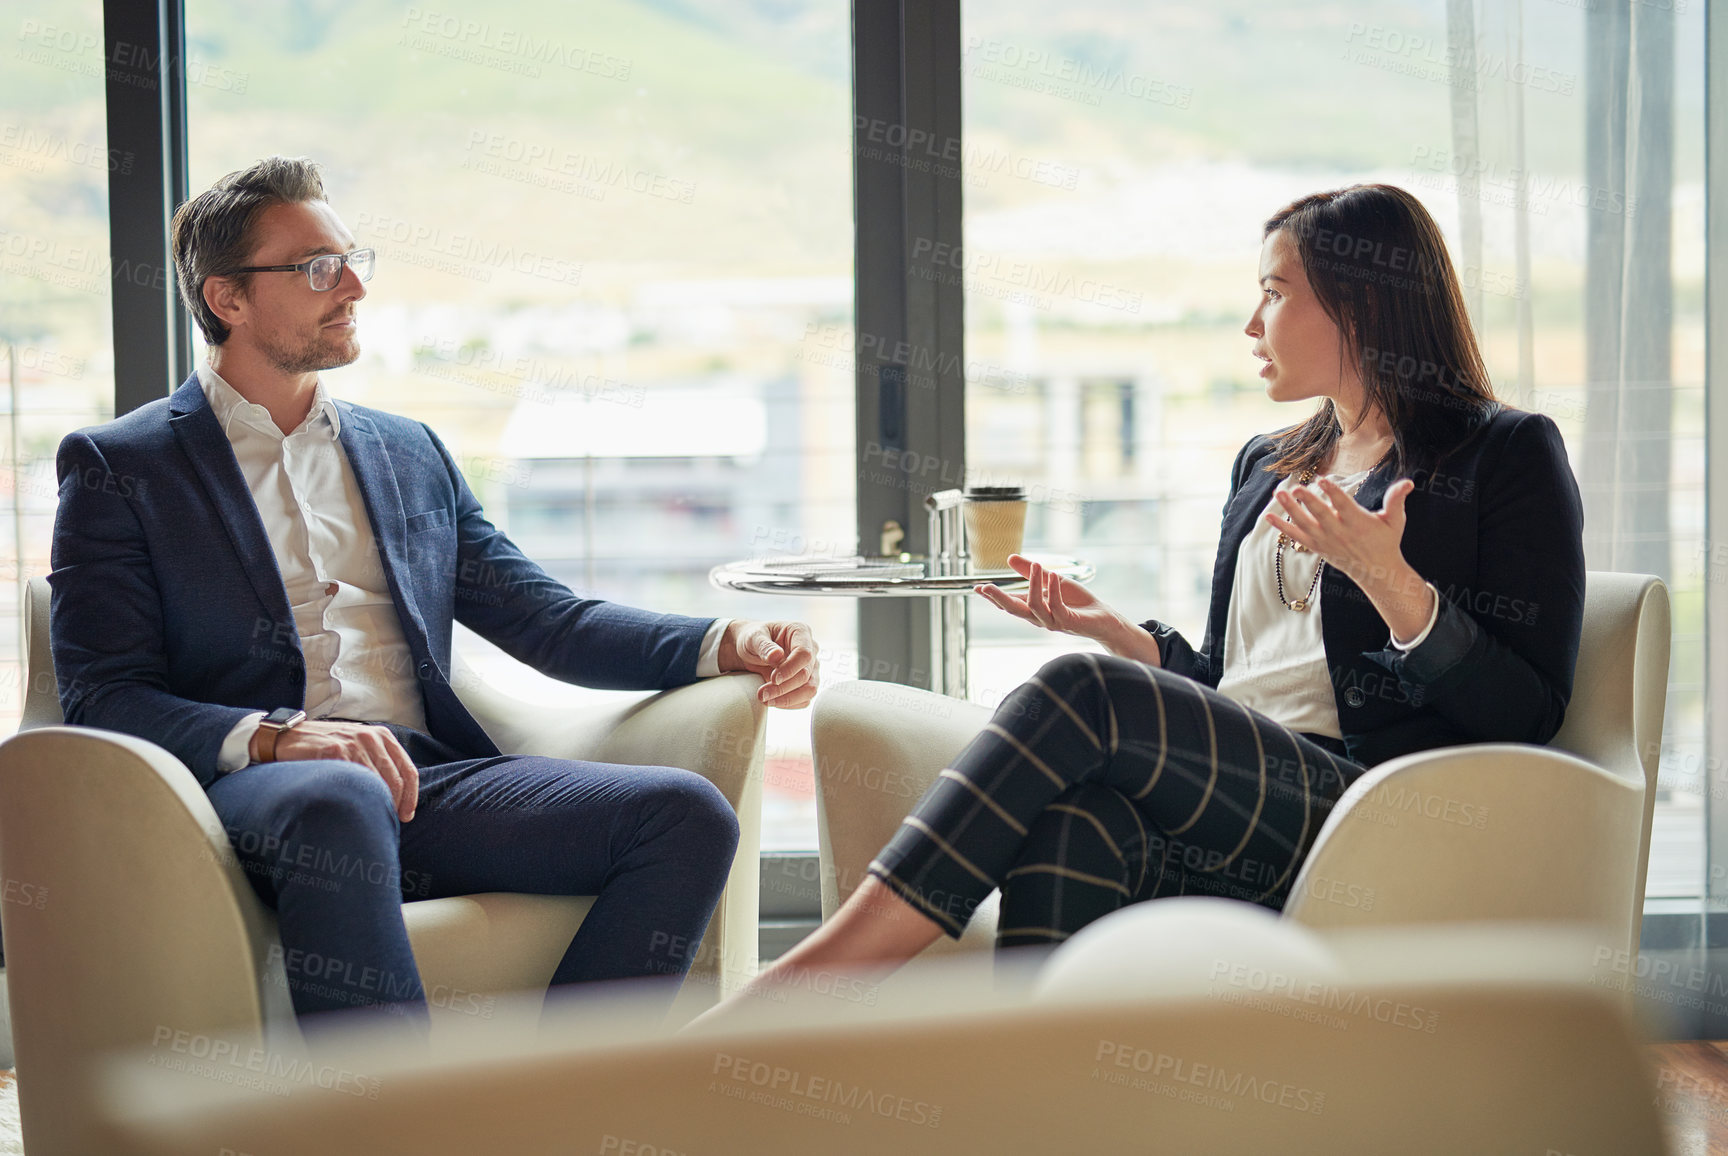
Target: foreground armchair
(1481, 832)
(1193, 1025)
(140, 918)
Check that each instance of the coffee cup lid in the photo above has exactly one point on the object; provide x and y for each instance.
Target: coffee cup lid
(995, 493)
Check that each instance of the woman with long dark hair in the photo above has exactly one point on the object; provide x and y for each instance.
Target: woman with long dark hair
(1401, 571)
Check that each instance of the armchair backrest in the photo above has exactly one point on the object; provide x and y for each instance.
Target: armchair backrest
(1620, 688)
(1569, 821)
(1614, 718)
(41, 690)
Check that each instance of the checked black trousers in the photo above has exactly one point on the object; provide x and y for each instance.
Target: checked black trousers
(1104, 781)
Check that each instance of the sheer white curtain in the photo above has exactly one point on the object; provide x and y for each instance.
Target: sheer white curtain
(1629, 153)
(1605, 353)
(1626, 89)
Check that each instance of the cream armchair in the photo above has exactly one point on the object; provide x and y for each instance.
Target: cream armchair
(130, 912)
(1495, 831)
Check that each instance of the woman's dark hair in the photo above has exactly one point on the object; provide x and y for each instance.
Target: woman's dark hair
(213, 233)
(1379, 267)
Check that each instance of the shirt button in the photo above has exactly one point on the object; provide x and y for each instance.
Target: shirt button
(425, 670)
(1354, 696)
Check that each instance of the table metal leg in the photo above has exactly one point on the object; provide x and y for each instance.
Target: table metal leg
(948, 644)
(947, 611)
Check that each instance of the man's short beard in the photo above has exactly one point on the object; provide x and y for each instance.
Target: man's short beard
(307, 357)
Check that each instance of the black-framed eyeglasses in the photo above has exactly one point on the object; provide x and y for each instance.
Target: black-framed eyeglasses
(323, 272)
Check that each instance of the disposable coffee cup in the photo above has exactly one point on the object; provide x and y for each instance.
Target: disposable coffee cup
(995, 525)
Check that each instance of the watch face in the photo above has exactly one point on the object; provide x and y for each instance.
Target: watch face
(283, 716)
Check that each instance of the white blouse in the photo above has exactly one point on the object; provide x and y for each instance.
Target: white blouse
(1275, 657)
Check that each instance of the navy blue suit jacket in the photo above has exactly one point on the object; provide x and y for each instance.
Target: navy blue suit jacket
(170, 619)
(1498, 527)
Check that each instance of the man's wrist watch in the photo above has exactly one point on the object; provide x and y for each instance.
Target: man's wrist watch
(271, 728)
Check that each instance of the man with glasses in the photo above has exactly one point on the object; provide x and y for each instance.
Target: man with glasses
(271, 598)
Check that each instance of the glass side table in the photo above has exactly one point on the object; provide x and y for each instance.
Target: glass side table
(907, 576)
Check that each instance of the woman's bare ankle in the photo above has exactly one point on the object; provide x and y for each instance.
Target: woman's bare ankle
(872, 929)
(873, 932)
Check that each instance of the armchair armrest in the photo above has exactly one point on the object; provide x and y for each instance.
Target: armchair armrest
(1488, 831)
(879, 746)
(714, 727)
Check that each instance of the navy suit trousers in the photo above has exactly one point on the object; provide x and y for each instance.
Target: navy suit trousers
(322, 846)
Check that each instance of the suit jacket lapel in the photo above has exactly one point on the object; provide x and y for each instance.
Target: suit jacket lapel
(1344, 601)
(194, 424)
(376, 478)
(1251, 497)
(1374, 487)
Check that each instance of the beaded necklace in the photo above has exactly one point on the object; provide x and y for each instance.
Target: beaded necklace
(1307, 600)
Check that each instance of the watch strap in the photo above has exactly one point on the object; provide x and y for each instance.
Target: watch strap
(268, 733)
(270, 729)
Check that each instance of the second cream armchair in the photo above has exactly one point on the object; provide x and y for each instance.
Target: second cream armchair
(1560, 832)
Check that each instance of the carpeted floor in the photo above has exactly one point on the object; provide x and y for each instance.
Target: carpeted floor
(11, 1134)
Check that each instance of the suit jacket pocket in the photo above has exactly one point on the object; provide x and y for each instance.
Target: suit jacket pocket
(429, 520)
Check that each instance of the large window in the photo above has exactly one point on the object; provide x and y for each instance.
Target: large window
(56, 349)
(1121, 159)
(616, 272)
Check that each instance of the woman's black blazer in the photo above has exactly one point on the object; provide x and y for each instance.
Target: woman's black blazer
(1498, 527)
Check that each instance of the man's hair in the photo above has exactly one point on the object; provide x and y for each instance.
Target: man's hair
(214, 231)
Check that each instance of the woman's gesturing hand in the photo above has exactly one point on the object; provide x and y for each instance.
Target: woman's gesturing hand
(1365, 544)
(1065, 606)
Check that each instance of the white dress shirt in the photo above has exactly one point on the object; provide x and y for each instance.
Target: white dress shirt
(358, 664)
(1275, 657)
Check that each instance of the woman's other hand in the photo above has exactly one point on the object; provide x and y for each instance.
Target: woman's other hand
(1066, 607)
